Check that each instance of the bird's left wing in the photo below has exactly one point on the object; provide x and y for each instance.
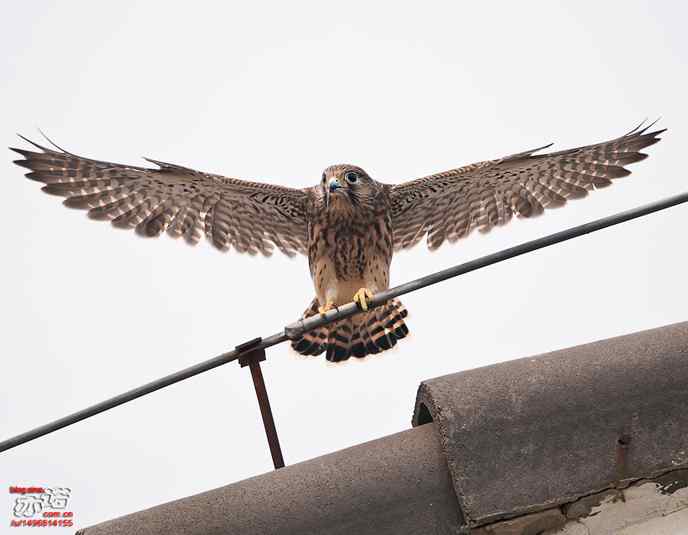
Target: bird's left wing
(449, 205)
(250, 217)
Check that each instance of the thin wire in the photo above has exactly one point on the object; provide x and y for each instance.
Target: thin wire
(296, 329)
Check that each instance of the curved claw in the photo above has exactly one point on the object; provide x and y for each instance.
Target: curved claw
(362, 298)
(326, 308)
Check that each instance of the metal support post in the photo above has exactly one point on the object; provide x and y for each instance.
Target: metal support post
(252, 358)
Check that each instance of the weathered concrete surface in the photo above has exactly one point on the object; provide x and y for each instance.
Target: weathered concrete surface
(674, 524)
(647, 507)
(534, 433)
(531, 524)
(397, 484)
(655, 507)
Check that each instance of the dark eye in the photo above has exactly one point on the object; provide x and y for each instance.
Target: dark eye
(323, 177)
(351, 177)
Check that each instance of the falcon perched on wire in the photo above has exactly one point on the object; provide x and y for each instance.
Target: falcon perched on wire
(348, 225)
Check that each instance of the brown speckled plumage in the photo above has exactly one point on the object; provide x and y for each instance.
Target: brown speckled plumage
(348, 225)
(350, 245)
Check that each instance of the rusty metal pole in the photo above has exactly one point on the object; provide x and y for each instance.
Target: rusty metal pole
(252, 358)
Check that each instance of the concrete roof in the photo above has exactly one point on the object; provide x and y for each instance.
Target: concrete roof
(533, 433)
(397, 484)
(509, 448)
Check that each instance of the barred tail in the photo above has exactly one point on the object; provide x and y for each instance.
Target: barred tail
(361, 335)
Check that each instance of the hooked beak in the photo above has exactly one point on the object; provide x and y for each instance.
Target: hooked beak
(332, 185)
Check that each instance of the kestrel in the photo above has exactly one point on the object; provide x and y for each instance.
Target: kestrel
(349, 224)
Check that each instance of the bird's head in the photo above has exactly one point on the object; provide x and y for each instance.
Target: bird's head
(347, 185)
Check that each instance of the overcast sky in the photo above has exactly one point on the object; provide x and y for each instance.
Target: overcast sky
(277, 92)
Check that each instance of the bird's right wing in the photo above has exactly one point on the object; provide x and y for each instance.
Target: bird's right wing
(250, 217)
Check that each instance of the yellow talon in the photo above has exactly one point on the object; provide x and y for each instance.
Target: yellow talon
(362, 297)
(326, 308)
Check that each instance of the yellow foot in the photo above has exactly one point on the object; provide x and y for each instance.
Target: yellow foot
(362, 297)
(326, 308)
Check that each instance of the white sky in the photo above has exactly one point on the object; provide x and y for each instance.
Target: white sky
(278, 91)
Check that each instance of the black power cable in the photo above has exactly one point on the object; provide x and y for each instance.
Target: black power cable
(294, 330)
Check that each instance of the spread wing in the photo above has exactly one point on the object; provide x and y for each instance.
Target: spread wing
(248, 216)
(449, 205)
